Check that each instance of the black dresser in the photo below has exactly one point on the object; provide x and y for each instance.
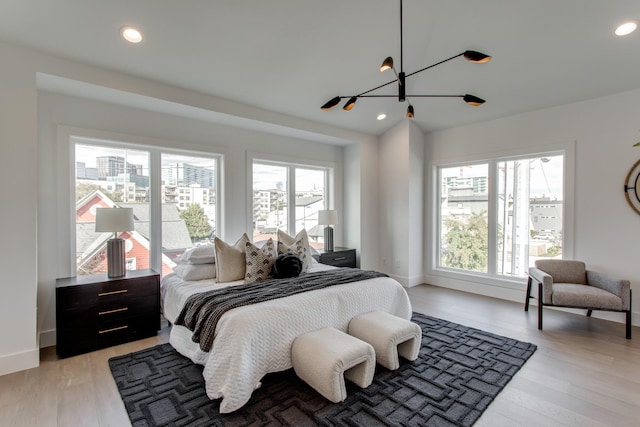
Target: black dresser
(94, 312)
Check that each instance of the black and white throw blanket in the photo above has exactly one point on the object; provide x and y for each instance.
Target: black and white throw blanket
(201, 312)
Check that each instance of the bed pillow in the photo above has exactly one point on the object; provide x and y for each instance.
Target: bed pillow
(259, 261)
(287, 265)
(288, 240)
(230, 260)
(195, 271)
(298, 246)
(201, 254)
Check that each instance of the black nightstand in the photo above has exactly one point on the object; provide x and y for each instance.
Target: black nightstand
(94, 312)
(340, 257)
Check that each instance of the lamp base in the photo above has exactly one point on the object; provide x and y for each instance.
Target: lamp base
(328, 239)
(116, 263)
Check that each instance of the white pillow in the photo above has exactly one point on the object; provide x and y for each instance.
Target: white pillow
(298, 246)
(201, 254)
(259, 261)
(230, 260)
(195, 271)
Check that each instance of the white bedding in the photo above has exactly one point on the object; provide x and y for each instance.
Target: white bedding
(254, 340)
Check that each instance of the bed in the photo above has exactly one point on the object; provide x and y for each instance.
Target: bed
(254, 340)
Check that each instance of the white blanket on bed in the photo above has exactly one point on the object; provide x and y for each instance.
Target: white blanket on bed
(254, 340)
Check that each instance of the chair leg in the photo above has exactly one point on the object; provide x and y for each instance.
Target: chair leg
(539, 305)
(526, 298)
(589, 313)
(629, 317)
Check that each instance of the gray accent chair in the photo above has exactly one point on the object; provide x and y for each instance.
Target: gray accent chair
(564, 283)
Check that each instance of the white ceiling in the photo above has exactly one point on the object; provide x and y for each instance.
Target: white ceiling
(292, 56)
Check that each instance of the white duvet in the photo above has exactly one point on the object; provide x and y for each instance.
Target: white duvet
(254, 340)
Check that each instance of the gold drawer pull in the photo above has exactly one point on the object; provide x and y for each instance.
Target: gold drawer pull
(340, 258)
(104, 294)
(119, 328)
(117, 310)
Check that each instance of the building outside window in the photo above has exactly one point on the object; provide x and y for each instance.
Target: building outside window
(288, 197)
(498, 217)
(109, 176)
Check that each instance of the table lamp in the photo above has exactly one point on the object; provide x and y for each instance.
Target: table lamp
(328, 218)
(115, 220)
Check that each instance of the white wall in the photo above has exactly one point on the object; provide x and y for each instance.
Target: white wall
(361, 202)
(417, 217)
(401, 217)
(606, 230)
(18, 227)
(33, 160)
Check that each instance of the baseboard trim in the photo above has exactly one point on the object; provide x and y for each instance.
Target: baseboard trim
(408, 282)
(19, 361)
(47, 338)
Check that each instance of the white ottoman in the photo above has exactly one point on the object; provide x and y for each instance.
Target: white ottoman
(389, 335)
(323, 358)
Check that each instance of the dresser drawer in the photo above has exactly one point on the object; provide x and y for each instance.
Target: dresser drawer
(89, 337)
(103, 295)
(339, 258)
(107, 310)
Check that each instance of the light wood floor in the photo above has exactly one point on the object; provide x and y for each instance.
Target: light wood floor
(584, 373)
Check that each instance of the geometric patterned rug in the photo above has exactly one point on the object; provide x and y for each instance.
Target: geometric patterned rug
(459, 371)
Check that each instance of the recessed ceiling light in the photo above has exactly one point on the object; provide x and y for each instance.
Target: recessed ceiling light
(130, 34)
(626, 28)
(382, 116)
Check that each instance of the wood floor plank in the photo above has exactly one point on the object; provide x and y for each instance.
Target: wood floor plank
(584, 373)
(518, 415)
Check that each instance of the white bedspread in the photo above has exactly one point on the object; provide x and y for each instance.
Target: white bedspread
(254, 340)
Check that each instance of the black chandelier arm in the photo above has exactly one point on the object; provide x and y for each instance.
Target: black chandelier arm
(377, 87)
(408, 75)
(434, 65)
(409, 96)
(401, 43)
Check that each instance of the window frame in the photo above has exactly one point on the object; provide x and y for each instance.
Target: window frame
(69, 137)
(462, 277)
(290, 164)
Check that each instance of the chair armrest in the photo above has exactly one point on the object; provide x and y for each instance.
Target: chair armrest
(610, 284)
(546, 280)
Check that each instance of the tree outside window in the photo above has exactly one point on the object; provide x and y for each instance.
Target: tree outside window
(527, 220)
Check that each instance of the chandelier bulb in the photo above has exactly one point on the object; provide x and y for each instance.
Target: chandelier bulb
(387, 64)
(473, 100)
(330, 104)
(410, 111)
(475, 56)
(350, 103)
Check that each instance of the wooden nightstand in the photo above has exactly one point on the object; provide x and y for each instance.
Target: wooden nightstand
(94, 312)
(340, 257)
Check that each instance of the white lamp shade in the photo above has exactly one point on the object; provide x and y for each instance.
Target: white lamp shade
(328, 217)
(114, 219)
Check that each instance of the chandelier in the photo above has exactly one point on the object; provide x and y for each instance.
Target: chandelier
(387, 64)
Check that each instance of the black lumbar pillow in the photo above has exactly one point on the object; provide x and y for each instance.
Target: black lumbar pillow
(287, 265)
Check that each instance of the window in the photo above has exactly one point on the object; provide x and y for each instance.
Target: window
(101, 181)
(310, 198)
(193, 219)
(111, 176)
(288, 197)
(498, 217)
(464, 228)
